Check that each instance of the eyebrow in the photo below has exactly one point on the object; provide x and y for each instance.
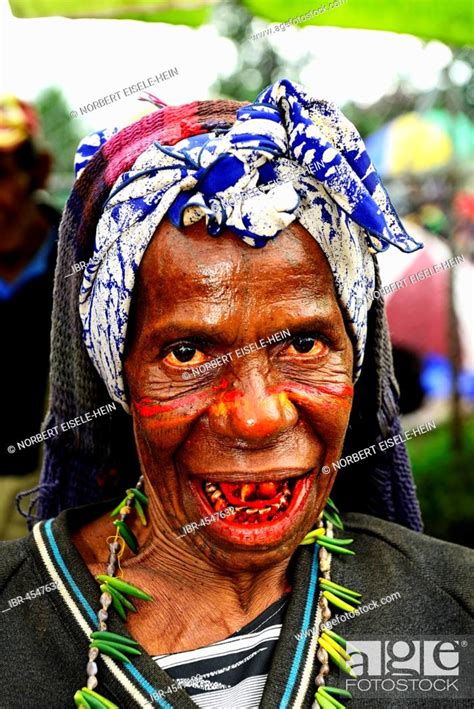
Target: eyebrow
(175, 331)
(326, 320)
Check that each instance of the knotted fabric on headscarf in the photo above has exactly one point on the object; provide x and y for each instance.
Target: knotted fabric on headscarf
(287, 157)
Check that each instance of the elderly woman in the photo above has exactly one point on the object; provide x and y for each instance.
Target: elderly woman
(227, 307)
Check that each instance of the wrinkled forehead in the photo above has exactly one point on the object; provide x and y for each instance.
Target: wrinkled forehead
(180, 264)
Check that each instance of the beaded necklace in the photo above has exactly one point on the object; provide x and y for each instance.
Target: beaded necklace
(115, 592)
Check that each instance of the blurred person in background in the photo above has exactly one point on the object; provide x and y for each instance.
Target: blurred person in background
(28, 237)
(408, 367)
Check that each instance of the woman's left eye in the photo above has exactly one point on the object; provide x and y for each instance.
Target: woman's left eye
(184, 356)
(307, 346)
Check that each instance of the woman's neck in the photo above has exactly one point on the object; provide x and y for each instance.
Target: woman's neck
(195, 602)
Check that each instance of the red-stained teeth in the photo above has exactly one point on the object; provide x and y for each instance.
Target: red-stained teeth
(264, 514)
(247, 491)
(264, 500)
(267, 490)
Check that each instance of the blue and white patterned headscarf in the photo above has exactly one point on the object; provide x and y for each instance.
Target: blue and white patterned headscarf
(287, 157)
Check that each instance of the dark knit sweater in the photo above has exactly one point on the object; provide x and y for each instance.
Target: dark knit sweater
(45, 642)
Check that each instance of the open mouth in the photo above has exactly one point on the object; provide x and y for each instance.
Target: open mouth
(252, 503)
(256, 513)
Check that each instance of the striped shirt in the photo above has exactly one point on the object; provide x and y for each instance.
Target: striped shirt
(232, 672)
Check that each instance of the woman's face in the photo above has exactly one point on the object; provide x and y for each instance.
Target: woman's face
(254, 430)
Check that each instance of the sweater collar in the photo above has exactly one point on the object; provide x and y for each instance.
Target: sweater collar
(142, 683)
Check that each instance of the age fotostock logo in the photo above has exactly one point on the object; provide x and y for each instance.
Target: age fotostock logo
(434, 667)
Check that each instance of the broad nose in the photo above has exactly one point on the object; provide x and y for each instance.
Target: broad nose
(250, 412)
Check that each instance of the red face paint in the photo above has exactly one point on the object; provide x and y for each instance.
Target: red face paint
(229, 396)
(342, 391)
(147, 406)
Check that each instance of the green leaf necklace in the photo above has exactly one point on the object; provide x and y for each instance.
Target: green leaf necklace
(116, 593)
(331, 645)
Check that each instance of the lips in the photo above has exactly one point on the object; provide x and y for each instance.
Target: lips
(253, 526)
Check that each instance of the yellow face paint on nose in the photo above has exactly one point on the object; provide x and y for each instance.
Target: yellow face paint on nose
(283, 398)
(219, 409)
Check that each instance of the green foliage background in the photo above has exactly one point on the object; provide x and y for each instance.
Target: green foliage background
(450, 21)
(444, 483)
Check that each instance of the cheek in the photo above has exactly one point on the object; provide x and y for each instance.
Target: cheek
(336, 396)
(166, 423)
(327, 405)
(147, 407)
(17, 191)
